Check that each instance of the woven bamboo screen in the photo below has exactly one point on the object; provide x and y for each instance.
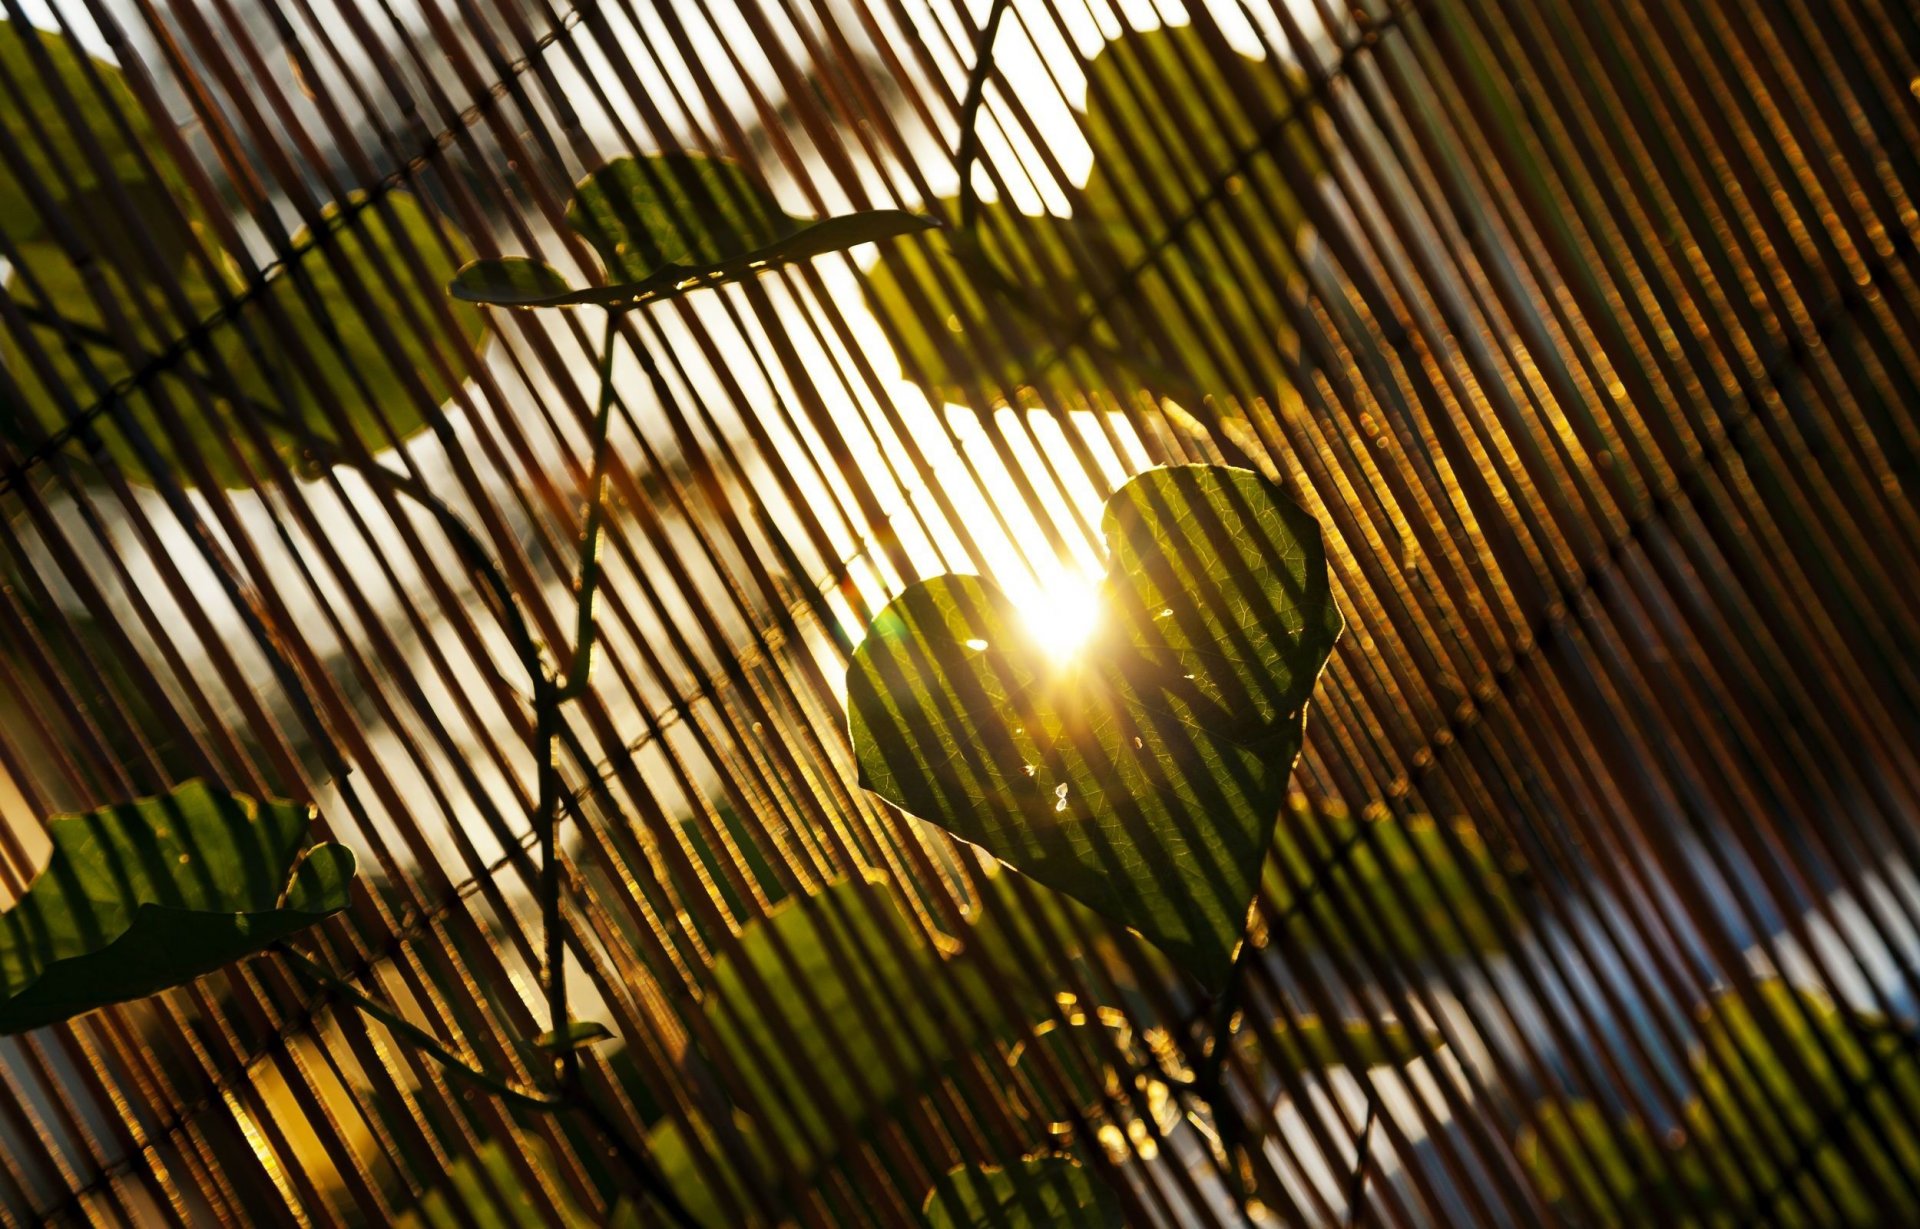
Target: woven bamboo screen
(1597, 365)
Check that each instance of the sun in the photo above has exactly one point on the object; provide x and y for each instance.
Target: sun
(1063, 614)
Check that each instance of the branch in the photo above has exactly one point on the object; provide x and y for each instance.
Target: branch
(968, 149)
(319, 975)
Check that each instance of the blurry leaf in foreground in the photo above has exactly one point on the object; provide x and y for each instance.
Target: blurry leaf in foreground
(1852, 1111)
(948, 308)
(673, 1159)
(1337, 851)
(1175, 269)
(1033, 1194)
(876, 983)
(483, 1188)
(577, 1035)
(44, 138)
(339, 336)
(1313, 1045)
(1143, 777)
(1185, 178)
(669, 223)
(1618, 1155)
(148, 895)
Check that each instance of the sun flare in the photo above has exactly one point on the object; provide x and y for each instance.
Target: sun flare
(1063, 615)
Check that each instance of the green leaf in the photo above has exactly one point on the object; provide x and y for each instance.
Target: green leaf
(1142, 778)
(1041, 1193)
(1824, 1107)
(669, 223)
(975, 322)
(43, 135)
(672, 1156)
(509, 281)
(1202, 208)
(1340, 852)
(1608, 1154)
(340, 333)
(148, 895)
(482, 1190)
(1008, 933)
(876, 982)
(577, 1035)
(1176, 266)
(1313, 1045)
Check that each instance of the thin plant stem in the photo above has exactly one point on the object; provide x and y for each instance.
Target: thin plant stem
(646, 1174)
(1362, 1161)
(968, 148)
(576, 683)
(319, 975)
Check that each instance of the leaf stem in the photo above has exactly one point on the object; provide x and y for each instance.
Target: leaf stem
(576, 682)
(319, 975)
(1362, 1161)
(968, 149)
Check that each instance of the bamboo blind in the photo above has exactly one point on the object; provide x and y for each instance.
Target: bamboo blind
(1603, 364)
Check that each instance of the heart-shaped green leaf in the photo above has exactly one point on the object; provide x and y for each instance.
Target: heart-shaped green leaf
(670, 223)
(150, 894)
(1143, 778)
(342, 334)
(1039, 1193)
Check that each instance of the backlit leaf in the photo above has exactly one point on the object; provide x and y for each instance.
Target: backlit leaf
(1188, 180)
(1175, 269)
(1040, 1193)
(577, 1035)
(1337, 851)
(147, 895)
(484, 1189)
(509, 281)
(844, 976)
(1311, 1044)
(670, 223)
(1839, 1100)
(42, 134)
(1142, 778)
(253, 373)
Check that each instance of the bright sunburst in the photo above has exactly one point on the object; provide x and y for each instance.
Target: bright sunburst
(1063, 614)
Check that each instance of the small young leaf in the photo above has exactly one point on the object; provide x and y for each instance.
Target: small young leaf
(1040, 1193)
(148, 895)
(509, 281)
(1144, 777)
(577, 1035)
(671, 223)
